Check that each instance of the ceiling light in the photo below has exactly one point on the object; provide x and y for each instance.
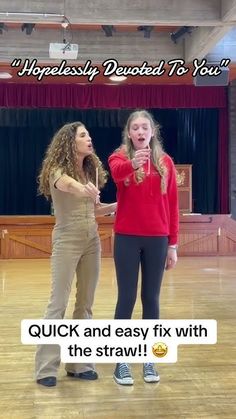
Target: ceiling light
(65, 23)
(28, 28)
(146, 30)
(181, 32)
(108, 30)
(29, 17)
(5, 75)
(117, 78)
(3, 27)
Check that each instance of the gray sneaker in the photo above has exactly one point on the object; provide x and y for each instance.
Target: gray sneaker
(150, 375)
(122, 375)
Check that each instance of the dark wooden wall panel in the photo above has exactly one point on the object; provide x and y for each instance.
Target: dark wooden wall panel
(25, 237)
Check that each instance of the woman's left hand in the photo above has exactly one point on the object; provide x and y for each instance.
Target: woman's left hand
(105, 209)
(171, 258)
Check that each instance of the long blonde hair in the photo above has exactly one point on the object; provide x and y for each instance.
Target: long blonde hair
(61, 154)
(157, 151)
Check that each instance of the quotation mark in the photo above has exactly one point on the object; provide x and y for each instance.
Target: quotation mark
(225, 62)
(16, 63)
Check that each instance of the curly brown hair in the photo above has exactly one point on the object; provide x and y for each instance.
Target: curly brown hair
(61, 154)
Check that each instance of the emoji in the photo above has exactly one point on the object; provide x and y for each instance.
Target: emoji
(159, 349)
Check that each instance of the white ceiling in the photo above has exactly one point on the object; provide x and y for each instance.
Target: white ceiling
(212, 22)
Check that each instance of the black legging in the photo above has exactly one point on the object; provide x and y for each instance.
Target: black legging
(129, 253)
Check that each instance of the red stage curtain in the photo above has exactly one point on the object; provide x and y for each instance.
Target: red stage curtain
(110, 97)
(124, 97)
(223, 162)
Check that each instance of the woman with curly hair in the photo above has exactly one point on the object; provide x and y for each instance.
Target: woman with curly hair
(71, 177)
(146, 225)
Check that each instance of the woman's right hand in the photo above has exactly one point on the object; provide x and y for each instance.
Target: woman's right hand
(140, 157)
(91, 191)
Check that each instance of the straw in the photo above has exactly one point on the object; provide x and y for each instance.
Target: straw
(96, 178)
(96, 184)
(148, 168)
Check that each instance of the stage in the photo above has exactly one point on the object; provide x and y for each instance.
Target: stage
(29, 237)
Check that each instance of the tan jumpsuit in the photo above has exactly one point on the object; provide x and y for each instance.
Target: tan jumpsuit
(76, 250)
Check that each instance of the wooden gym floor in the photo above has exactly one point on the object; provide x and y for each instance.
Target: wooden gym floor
(202, 384)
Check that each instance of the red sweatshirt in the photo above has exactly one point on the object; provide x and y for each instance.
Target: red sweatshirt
(142, 209)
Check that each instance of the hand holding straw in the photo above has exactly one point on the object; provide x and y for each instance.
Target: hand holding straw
(148, 168)
(96, 184)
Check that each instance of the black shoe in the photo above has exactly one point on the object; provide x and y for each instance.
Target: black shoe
(87, 375)
(48, 381)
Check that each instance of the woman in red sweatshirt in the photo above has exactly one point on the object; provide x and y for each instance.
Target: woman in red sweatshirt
(146, 225)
